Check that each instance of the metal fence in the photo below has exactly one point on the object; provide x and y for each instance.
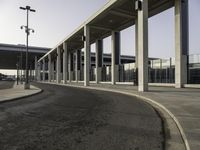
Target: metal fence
(160, 71)
(127, 73)
(194, 69)
(106, 73)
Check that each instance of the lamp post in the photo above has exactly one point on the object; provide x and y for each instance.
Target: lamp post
(21, 61)
(17, 65)
(27, 31)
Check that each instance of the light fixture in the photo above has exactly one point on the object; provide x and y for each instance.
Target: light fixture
(138, 5)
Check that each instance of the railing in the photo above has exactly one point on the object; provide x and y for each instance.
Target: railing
(160, 71)
(127, 73)
(106, 73)
(194, 69)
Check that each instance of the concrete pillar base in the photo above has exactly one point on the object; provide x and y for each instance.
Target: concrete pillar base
(26, 86)
(115, 76)
(98, 75)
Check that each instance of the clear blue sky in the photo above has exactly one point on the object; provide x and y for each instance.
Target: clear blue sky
(55, 19)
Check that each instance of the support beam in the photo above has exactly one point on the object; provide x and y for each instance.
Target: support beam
(71, 66)
(101, 28)
(122, 14)
(86, 55)
(181, 42)
(39, 71)
(53, 71)
(43, 69)
(136, 51)
(65, 62)
(78, 65)
(30, 74)
(58, 66)
(49, 68)
(36, 69)
(115, 56)
(143, 47)
(99, 60)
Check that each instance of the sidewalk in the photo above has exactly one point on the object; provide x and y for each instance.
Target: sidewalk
(17, 92)
(182, 105)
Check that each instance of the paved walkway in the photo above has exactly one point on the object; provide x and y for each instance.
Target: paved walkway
(183, 103)
(17, 92)
(6, 84)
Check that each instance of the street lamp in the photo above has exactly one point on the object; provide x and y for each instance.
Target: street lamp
(27, 31)
(17, 65)
(21, 61)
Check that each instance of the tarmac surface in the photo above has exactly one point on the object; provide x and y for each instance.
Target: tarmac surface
(183, 103)
(69, 118)
(6, 84)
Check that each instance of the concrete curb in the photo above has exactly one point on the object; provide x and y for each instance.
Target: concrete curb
(20, 97)
(145, 99)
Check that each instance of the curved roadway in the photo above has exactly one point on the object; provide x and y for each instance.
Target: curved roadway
(66, 118)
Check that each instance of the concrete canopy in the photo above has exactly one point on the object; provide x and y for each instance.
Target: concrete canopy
(116, 15)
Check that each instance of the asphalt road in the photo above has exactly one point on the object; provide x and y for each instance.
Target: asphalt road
(6, 84)
(65, 118)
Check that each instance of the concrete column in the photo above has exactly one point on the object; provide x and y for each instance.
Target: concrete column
(136, 50)
(143, 47)
(71, 66)
(78, 65)
(115, 57)
(53, 70)
(65, 62)
(86, 55)
(36, 68)
(30, 75)
(99, 60)
(58, 66)
(181, 42)
(49, 68)
(39, 71)
(43, 69)
(136, 42)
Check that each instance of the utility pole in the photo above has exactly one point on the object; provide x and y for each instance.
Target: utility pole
(17, 65)
(27, 31)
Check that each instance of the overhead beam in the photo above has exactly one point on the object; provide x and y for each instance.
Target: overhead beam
(100, 28)
(122, 14)
(75, 42)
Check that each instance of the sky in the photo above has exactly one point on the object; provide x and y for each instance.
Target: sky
(55, 19)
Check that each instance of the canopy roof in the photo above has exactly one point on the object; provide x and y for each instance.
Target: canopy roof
(116, 15)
